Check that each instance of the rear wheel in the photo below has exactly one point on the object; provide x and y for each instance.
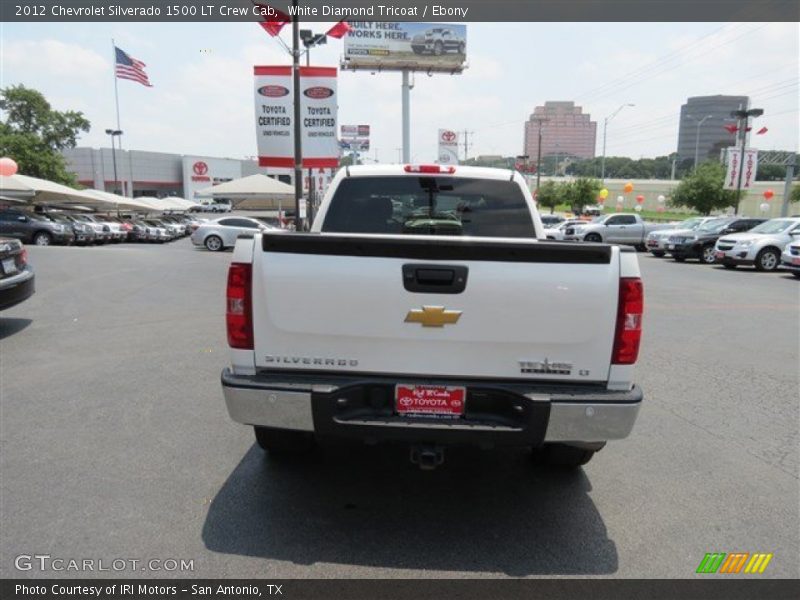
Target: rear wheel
(679, 258)
(42, 238)
(729, 266)
(593, 237)
(768, 260)
(658, 253)
(284, 441)
(214, 243)
(708, 256)
(562, 456)
(796, 274)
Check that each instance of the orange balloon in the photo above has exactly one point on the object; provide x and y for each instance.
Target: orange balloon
(768, 195)
(628, 188)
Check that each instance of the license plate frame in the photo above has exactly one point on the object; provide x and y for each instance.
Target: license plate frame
(9, 266)
(430, 400)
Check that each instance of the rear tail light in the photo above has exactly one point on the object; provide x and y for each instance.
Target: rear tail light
(239, 310)
(629, 321)
(429, 169)
(22, 257)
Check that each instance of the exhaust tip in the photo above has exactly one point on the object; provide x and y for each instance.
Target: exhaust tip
(427, 457)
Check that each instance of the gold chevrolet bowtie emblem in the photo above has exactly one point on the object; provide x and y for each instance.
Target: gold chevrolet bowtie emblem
(433, 316)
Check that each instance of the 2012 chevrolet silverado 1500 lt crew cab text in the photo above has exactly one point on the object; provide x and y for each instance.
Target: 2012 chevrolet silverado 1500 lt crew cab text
(426, 307)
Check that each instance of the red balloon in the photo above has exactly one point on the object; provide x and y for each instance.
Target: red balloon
(768, 194)
(640, 198)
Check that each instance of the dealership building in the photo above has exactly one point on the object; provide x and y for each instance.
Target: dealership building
(143, 173)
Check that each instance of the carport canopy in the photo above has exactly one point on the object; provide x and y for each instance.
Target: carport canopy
(252, 187)
(35, 190)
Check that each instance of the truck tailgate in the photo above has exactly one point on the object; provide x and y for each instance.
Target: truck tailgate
(528, 310)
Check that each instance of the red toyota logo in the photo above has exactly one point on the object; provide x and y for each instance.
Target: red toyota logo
(200, 168)
(448, 136)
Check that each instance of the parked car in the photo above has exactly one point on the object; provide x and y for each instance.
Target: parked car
(102, 231)
(17, 281)
(118, 233)
(157, 232)
(557, 232)
(657, 240)
(213, 207)
(790, 259)
(124, 226)
(760, 247)
(33, 228)
(431, 339)
(222, 233)
(618, 228)
(549, 221)
(138, 232)
(173, 229)
(699, 243)
(84, 234)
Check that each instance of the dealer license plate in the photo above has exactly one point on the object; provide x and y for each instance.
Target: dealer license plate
(9, 266)
(430, 400)
(796, 261)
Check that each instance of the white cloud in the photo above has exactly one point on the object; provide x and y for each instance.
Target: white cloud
(56, 59)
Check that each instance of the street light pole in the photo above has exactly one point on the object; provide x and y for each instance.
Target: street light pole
(605, 131)
(743, 116)
(539, 121)
(697, 138)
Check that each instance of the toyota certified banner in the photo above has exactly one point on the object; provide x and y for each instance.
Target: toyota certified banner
(405, 45)
(275, 115)
(448, 147)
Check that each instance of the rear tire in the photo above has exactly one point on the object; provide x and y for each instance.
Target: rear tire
(796, 274)
(729, 266)
(768, 260)
(593, 237)
(679, 258)
(284, 441)
(42, 238)
(658, 254)
(214, 243)
(562, 456)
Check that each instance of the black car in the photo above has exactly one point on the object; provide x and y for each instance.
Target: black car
(16, 276)
(700, 243)
(33, 228)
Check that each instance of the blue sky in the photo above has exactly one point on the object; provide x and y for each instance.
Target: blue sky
(202, 99)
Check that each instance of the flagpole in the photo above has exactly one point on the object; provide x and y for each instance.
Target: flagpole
(116, 102)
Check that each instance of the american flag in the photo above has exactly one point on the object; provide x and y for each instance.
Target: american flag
(128, 67)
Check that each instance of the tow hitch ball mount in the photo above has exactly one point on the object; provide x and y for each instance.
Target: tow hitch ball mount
(427, 457)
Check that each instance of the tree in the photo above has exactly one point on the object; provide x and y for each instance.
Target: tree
(794, 195)
(581, 192)
(550, 195)
(33, 134)
(703, 190)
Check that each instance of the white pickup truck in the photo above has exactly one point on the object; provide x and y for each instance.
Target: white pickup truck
(425, 307)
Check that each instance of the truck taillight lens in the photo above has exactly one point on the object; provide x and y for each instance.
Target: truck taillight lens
(239, 309)
(22, 258)
(629, 321)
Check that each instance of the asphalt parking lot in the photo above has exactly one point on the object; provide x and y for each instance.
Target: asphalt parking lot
(116, 444)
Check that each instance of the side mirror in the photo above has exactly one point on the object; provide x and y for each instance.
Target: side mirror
(728, 230)
(795, 233)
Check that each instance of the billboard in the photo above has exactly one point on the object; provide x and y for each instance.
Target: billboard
(355, 131)
(748, 172)
(354, 144)
(377, 45)
(448, 147)
(275, 113)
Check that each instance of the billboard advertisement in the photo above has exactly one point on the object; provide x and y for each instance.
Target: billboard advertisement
(355, 131)
(275, 114)
(448, 147)
(380, 45)
(748, 172)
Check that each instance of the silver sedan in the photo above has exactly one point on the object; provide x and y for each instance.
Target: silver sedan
(221, 233)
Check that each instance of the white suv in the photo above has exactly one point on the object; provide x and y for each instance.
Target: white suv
(760, 247)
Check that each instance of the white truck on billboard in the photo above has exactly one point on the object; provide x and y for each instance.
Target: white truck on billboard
(406, 45)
